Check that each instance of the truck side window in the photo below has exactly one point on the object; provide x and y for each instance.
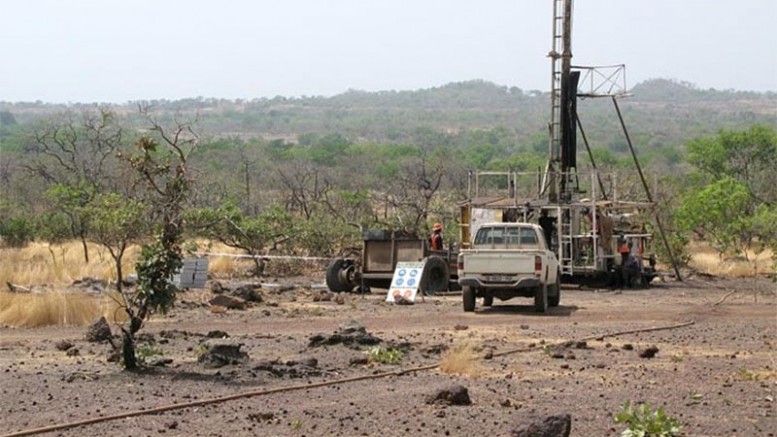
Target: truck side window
(528, 236)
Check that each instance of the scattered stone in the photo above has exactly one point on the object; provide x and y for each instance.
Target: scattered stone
(74, 352)
(63, 345)
(460, 327)
(248, 294)
(350, 334)
(172, 425)
(217, 334)
(489, 353)
(452, 395)
(291, 368)
(323, 296)
(175, 333)
(524, 326)
(220, 353)
(217, 309)
(628, 347)
(435, 349)
(229, 302)
(217, 288)
(340, 299)
(559, 425)
(261, 417)
(99, 331)
(359, 361)
(160, 362)
(401, 300)
(581, 345)
(91, 284)
(648, 352)
(114, 356)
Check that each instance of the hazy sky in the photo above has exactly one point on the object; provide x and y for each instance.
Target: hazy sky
(121, 50)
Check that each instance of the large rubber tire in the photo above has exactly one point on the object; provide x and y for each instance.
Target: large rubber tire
(468, 298)
(435, 276)
(541, 299)
(334, 275)
(554, 292)
(488, 301)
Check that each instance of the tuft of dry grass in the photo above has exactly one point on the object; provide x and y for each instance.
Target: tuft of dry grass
(56, 309)
(461, 359)
(705, 259)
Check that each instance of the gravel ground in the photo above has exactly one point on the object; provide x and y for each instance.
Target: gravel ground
(305, 376)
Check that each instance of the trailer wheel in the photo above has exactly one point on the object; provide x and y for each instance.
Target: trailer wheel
(339, 275)
(435, 276)
(468, 298)
(541, 298)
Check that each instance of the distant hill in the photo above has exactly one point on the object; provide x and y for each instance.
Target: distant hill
(669, 110)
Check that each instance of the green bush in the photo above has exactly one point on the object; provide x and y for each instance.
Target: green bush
(17, 231)
(378, 354)
(643, 421)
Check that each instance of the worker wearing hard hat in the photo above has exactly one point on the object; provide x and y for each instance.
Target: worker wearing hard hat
(435, 241)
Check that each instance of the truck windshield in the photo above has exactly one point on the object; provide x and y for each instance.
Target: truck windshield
(506, 235)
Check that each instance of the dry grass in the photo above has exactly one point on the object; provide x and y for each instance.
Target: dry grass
(461, 359)
(705, 259)
(43, 263)
(56, 309)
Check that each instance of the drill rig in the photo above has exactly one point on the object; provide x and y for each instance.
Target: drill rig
(592, 229)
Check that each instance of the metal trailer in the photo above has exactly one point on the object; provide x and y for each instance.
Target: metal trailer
(380, 253)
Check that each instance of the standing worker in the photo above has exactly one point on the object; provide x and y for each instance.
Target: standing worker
(435, 241)
(548, 225)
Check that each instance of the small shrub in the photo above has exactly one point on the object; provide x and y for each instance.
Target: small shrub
(144, 353)
(377, 354)
(461, 360)
(643, 421)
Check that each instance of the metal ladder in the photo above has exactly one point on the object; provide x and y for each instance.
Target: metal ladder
(555, 86)
(565, 251)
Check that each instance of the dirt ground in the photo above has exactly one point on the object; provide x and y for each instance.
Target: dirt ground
(717, 376)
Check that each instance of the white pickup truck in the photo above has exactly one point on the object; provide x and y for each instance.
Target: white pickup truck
(507, 260)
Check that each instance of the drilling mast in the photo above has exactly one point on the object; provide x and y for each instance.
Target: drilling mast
(561, 172)
(585, 249)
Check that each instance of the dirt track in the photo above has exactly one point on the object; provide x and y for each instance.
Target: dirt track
(717, 376)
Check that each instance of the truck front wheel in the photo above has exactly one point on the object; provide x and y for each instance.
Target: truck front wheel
(468, 294)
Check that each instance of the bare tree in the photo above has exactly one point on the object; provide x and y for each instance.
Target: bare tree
(77, 155)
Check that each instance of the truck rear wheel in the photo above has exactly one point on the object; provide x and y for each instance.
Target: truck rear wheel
(488, 301)
(541, 298)
(468, 297)
(554, 292)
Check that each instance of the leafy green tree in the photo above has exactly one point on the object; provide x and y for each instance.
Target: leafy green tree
(733, 203)
(115, 222)
(722, 211)
(749, 157)
(255, 235)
